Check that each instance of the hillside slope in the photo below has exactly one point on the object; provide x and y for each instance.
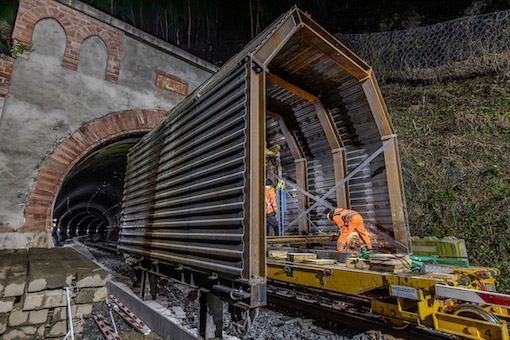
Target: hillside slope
(455, 151)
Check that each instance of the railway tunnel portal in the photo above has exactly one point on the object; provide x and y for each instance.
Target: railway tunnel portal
(77, 87)
(90, 197)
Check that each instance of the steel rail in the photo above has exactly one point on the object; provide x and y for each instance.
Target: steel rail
(353, 311)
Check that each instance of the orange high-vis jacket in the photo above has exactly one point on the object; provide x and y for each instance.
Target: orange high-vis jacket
(349, 221)
(270, 199)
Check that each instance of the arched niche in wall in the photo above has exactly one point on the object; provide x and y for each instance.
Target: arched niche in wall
(93, 57)
(48, 40)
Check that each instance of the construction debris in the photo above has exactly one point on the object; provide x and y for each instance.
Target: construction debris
(292, 320)
(322, 331)
(320, 261)
(300, 257)
(390, 263)
(278, 254)
(358, 263)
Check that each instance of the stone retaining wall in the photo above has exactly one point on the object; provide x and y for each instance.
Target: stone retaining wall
(33, 300)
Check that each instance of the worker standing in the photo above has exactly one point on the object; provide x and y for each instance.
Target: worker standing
(348, 221)
(271, 208)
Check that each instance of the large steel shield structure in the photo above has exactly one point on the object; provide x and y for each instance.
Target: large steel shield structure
(194, 190)
(193, 185)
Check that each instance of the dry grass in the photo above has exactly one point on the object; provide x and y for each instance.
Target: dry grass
(455, 149)
(489, 62)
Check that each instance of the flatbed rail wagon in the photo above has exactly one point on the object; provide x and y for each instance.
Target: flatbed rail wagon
(193, 208)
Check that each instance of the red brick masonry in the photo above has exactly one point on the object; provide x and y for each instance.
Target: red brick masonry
(77, 26)
(6, 67)
(39, 205)
(171, 83)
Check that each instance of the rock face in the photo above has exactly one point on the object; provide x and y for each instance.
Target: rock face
(33, 298)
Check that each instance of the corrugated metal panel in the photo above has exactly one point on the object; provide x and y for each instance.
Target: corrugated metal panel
(185, 182)
(342, 94)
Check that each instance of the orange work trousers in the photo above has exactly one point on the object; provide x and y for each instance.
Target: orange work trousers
(355, 224)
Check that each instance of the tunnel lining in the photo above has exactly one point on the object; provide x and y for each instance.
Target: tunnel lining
(93, 189)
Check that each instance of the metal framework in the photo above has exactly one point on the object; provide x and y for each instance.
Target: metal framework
(193, 206)
(424, 300)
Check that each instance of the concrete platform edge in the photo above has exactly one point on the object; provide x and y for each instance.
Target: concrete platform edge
(150, 312)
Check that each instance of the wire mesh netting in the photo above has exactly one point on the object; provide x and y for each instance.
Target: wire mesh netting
(470, 45)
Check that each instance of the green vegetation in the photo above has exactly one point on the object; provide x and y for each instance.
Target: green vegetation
(17, 48)
(455, 149)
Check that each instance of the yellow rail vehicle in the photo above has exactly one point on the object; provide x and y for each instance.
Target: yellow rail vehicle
(451, 302)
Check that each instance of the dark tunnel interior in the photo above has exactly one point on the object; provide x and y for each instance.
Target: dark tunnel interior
(90, 199)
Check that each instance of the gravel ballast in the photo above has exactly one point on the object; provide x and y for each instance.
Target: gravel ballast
(182, 301)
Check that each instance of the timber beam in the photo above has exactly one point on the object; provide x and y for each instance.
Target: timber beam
(272, 78)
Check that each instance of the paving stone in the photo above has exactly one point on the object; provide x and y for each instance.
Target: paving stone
(15, 334)
(17, 317)
(45, 299)
(45, 277)
(3, 322)
(89, 295)
(14, 261)
(24, 333)
(15, 285)
(13, 272)
(78, 325)
(49, 269)
(36, 285)
(89, 278)
(58, 267)
(38, 316)
(6, 304)
(60, 313)
(40, 331)
(57, 329)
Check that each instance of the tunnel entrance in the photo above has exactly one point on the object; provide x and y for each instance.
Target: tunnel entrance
(89, 201)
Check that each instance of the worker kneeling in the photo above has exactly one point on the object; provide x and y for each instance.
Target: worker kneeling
(348, 221)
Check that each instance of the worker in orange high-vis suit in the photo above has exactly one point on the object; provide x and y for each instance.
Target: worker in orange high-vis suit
(348, 221)
(271, 208)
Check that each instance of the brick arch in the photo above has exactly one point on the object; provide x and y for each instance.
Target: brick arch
(77, 26)
(24, 32)
(39, 205)
(114, 52)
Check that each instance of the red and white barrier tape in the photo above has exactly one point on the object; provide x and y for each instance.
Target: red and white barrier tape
(471, 295)
(129, 316)
(108, 332)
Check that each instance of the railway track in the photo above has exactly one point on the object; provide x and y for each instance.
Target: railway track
(102, 245)
(337, 310)
(333, 310)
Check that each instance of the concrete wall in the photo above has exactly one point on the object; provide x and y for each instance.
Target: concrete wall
(47, 102)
